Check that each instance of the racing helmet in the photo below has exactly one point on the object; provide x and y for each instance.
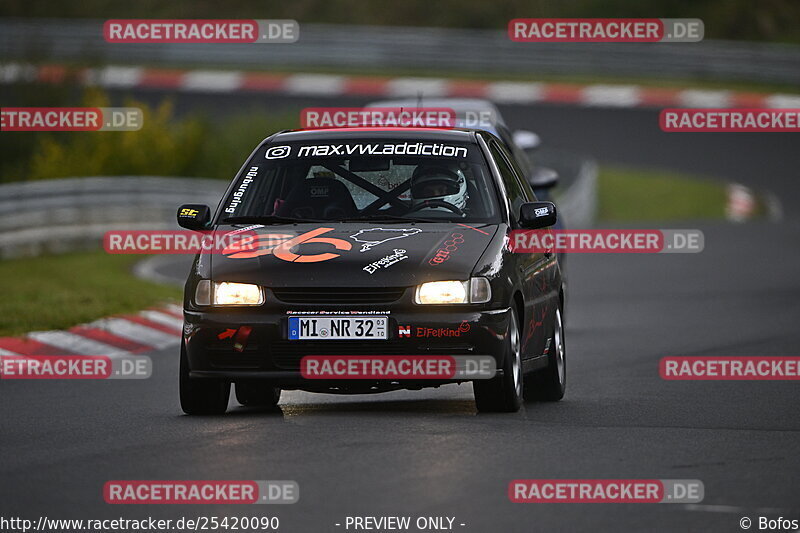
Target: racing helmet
(437, 182)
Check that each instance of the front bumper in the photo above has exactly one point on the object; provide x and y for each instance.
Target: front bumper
(215, 351)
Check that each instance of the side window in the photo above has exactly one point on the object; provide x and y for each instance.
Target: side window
(529, 194)
(514, 188)
(521, 171)
(522, 160)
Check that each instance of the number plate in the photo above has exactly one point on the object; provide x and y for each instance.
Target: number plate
(338, 328)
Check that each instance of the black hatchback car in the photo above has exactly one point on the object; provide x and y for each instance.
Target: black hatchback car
(379, 242)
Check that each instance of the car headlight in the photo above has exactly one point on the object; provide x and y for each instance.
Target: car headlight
(476, 290)
(226, 293)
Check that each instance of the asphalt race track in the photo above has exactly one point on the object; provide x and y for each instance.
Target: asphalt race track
(428, 453)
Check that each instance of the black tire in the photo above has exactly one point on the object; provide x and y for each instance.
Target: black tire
(257, 394)
(550, 383)
(202, 396)
(503, 394)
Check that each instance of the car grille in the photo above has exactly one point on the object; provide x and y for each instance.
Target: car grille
(339, 295)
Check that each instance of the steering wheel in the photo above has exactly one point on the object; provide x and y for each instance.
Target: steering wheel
(437, 203)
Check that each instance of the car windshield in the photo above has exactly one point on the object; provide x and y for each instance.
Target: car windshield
(364, 180)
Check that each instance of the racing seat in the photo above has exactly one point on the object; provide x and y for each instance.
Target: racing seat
(321, 198)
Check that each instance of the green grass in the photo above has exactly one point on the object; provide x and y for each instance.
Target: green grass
(628, 194)
(57, 292)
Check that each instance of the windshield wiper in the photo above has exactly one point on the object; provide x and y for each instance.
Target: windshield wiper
(390, 217)
(269, 219)
(399, 218)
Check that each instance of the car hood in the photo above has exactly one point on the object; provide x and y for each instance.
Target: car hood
(353, 254)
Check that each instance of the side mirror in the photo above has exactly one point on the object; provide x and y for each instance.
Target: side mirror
(194, 216)
(543, 178)
(536, 215)
(526, 140)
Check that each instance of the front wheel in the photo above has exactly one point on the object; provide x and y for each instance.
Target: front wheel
(503, 393)
(202, 396)
(550, 383)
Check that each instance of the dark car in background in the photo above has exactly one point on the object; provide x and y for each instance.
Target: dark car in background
(390, 232)
(482, 114)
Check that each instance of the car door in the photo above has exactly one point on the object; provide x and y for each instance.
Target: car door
(536, 271)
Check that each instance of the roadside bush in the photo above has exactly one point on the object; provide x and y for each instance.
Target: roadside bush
(160, 147)
(191, 146)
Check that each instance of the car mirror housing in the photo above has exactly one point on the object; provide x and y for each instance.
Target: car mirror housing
(543, 178)
(526, 140)
(536, 215)
(194, 216)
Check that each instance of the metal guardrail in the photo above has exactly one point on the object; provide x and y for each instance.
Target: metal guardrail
(56, 216)
(576, 194)
(437, 49)
(579, 202)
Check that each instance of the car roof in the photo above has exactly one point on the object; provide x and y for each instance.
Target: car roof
(460, 105)
(343, 134)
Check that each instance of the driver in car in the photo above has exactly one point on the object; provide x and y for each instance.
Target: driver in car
(431, 186)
